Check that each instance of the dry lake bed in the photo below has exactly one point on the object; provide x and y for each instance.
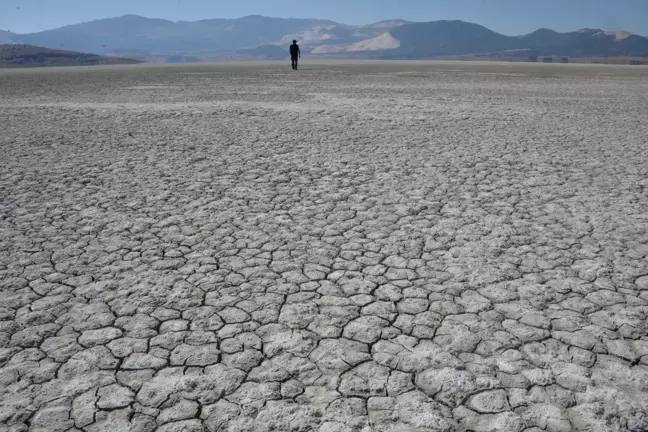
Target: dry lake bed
(347, 248)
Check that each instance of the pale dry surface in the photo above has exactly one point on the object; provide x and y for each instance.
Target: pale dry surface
(348, 248)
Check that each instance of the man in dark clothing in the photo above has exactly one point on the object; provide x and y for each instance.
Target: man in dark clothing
(295, 54)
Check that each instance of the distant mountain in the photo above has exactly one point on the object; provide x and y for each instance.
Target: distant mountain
(263, 37)
(157, 35)
(440, 38)
(585, 42)
(388, 24)
(384, 42)
(6, 37)
(14, 55)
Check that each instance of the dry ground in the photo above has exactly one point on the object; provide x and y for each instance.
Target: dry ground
(352, 247)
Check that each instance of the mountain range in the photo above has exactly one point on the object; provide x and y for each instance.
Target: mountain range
(258, 36)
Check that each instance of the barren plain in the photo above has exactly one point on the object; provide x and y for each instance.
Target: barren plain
(347, 248)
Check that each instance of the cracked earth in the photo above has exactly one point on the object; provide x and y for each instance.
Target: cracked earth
(350, 248)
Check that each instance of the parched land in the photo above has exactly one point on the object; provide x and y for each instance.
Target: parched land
(351, 247)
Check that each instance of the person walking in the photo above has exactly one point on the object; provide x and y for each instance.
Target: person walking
(295, 54)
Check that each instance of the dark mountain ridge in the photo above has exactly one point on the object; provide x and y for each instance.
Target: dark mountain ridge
(16, 55)
(439, 38)
(6, 37)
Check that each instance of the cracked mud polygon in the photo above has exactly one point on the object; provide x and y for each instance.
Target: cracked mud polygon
(351, 247)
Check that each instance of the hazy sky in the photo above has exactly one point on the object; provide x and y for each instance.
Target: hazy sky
(510, 17)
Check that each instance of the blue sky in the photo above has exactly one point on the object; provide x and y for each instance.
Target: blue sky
(510, 17)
